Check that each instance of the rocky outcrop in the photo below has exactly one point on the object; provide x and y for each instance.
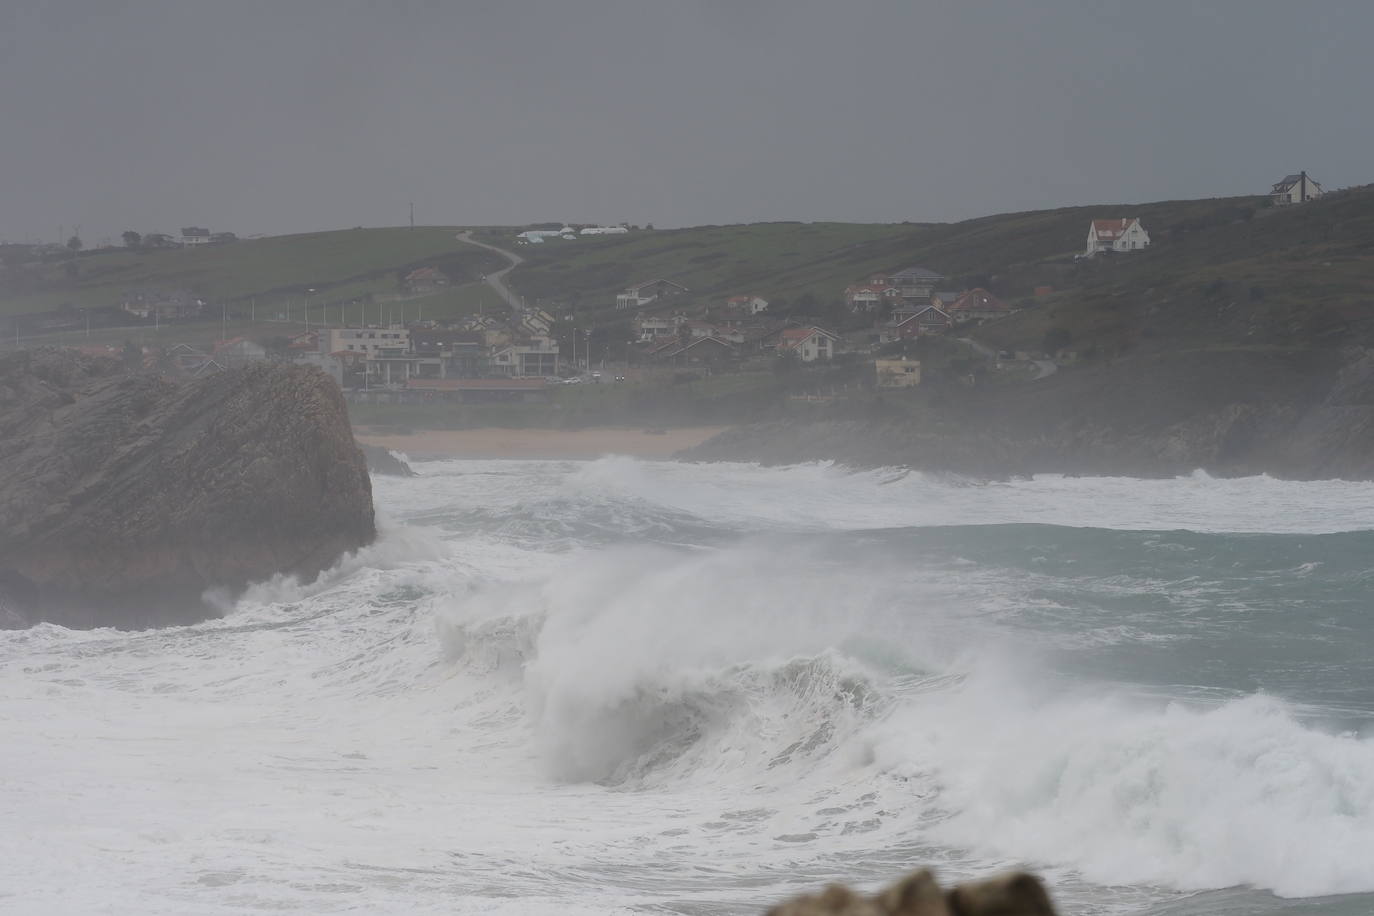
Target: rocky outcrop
(918, 894)
(1290, 413)
(124, 497)
(384, 461)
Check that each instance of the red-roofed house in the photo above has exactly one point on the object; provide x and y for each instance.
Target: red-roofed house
(978, 305)
(1125, 234)
(809, 344)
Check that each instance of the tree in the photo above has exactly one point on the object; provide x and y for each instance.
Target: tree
(75, 244)
(131, 238)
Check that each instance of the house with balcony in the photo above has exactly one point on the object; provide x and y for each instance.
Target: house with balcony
(536, 357)
(870, 297)
(911, 283)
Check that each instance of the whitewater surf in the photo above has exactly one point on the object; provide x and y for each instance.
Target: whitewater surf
(624, 686)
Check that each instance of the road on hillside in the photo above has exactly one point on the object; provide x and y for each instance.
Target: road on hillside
(497, 279)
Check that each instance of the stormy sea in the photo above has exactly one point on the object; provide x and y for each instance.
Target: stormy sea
(654, 687)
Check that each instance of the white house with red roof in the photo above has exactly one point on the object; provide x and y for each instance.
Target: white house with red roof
(1124, 234)
(808, 344)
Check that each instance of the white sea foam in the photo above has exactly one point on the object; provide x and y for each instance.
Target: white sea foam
(620, 686)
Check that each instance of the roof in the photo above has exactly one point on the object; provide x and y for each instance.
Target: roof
(655, 282)
(1112, 228)
(922, 314)
(793, 337)
(915, 273)
(674, 347)
(869, 288)
(980, 300)
(1288, 181)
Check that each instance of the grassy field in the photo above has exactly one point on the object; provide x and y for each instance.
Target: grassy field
(277, 272)
(1220, 273)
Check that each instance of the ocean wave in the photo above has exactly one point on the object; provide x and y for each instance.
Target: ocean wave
(1175, 795)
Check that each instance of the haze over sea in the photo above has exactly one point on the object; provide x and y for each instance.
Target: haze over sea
(624, 686)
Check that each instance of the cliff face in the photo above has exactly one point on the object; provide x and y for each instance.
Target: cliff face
(1295, 414)
(123, 496)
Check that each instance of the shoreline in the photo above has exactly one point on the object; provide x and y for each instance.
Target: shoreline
(491, 442)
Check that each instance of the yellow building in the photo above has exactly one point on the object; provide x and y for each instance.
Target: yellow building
(897, 373)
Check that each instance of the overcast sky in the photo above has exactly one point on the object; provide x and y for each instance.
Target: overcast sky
(293, 115)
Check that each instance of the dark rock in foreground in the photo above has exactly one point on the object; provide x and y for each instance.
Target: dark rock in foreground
(123, 497)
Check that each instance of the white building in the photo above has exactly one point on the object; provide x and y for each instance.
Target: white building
(533, 358)
(537, 236)
(605, 230)
(1295, 189)
(368, 341)
(1125, 234)
(193, 235)
(749, 305)
(809, 344)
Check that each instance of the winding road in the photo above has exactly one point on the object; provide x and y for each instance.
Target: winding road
(497, 279)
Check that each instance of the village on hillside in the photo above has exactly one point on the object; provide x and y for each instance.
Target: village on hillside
(878, 326)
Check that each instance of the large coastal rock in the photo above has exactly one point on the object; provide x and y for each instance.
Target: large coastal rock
(124, 497)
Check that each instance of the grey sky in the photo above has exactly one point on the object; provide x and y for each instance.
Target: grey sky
(292, 115)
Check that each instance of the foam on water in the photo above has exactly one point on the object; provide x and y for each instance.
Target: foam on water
(616, 685)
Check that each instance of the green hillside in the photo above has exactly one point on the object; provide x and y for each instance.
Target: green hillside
(341, 266)
(1224, 271)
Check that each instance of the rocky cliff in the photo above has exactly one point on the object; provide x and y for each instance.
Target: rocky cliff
(123, 496)
(1295, 413)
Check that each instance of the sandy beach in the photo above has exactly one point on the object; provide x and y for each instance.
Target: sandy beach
(490, 442)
